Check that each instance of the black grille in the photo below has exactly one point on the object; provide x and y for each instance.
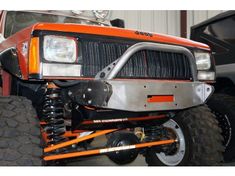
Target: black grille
(144, 64)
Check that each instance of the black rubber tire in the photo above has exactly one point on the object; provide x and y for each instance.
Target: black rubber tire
(19, 133)
(203, 140)
(228, 91)
(224, 108)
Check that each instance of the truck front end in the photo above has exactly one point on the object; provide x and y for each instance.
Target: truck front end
(140, 89)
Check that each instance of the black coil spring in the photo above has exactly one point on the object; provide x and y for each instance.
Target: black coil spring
(153, 133)
(53, 116)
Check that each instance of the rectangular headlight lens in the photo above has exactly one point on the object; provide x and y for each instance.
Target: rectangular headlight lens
(60, 49)
(206, 76)
(203, 60)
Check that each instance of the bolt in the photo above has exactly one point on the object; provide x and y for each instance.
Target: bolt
(74, 146)
(89, 101)
(70, 93)
(102, 75)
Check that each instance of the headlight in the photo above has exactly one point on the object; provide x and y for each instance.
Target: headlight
(59, 49)
(205, 75)
(203, 60)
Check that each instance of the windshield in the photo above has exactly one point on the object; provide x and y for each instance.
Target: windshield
(18, 20)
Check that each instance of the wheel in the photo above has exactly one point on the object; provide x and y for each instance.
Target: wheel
(19, 133)
(223, 107)
(228, 91)
(199, 140)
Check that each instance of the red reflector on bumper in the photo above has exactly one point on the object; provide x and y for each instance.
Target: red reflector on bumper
(160, 98)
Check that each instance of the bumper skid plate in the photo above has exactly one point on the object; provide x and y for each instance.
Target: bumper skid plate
(143, 95)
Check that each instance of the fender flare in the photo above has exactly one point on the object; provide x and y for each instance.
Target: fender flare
(9, 62)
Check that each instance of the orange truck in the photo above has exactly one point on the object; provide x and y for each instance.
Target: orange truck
(67, 80)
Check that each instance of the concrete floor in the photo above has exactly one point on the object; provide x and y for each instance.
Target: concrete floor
(102, 160)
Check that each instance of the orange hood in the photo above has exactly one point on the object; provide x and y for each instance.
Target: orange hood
(119, 32)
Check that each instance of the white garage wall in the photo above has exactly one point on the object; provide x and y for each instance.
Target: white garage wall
(161, 21)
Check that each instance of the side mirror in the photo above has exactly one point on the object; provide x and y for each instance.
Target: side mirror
(1, 38)
(118, 23)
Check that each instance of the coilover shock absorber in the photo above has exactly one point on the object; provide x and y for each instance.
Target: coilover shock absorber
(53, 115)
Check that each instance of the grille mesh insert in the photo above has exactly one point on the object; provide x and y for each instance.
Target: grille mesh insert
(144, 64)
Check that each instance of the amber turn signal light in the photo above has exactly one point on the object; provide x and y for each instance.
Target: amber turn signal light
(34, 60)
